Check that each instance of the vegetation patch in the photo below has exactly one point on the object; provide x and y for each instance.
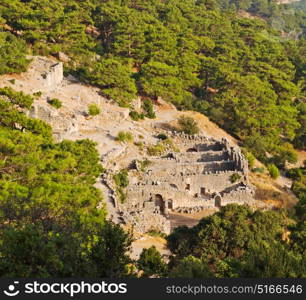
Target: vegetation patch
(56, 103)
(161, 147)
(136, 116)
(273, 171)
(144, 164)
(151, 263)
(121, 180)
(37, 94)
(188, 125)
(148, 108)
(156, 150)
(93, 109)
(124, 136)
(235, 177)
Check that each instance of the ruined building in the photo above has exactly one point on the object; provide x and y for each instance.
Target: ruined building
(205, 174)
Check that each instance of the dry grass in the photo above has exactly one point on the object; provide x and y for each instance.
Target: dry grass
(146, 241)
(270, 192)
(206, 126)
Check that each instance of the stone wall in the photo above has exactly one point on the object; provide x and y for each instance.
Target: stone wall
(61, 123)
(53, 76)
(145, 221)
(197, 178)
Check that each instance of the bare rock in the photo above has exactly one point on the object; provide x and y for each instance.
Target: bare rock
(63, 57)
(124, 113)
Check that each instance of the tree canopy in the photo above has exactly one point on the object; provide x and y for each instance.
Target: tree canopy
(241, 63)
(50, 223)
(200, 55)
(237, 242)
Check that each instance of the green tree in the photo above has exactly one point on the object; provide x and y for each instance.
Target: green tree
(188, 125)
(12, 54)
(109, 252)
(272, 260)
(151, 263)
(114, 79)
(191, 267)
(30, 251)
(160, 79)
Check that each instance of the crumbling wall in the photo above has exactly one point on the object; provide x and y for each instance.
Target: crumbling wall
(54, 75)
(145, 221)
(61, 123)
(197, 178)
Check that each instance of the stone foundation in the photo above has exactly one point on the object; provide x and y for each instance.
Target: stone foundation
(199, 177)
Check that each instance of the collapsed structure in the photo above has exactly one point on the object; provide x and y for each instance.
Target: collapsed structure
(205, 174)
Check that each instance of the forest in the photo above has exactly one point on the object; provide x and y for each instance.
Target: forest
(247, 74)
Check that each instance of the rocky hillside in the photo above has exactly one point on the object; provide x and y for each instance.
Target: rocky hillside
(72, 121)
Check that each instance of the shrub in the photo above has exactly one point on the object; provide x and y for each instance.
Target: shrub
(139, 145)
(121, 179)
(122, 195)
(235, 177)
(169, 144)
(151, 263)
(136, 116)
(124, 136)
(149, 109)
(273, 171)
(157, 149)
(251, 160)
(162, 136)
(55, 103)
(144, 164)
(12, 81)
(162, 147)
(37, 94)
(295, 174)
(17, 98)
(93, 110)
(188, 125)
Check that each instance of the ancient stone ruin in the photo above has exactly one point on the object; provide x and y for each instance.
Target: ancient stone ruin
(53, 75)
(205, 174)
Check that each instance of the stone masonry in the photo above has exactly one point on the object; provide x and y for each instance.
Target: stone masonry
(205, 174)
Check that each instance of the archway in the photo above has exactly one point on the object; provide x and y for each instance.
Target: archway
(159, 201)
(218, 201)
(170, 204)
